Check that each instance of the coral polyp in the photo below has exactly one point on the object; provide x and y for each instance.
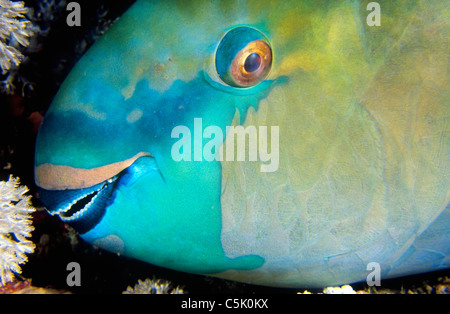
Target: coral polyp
(153, 286)
(15, 228)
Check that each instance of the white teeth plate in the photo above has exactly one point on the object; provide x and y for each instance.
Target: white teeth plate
(83, 210)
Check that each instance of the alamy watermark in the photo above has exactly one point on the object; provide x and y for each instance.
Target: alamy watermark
(236, 137)
(74, 277)
(74, 17)
(374, 277)
(374, 17)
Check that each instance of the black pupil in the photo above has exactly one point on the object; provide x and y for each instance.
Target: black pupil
(252, 62)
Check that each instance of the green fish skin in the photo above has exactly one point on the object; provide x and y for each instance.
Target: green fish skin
(362, 113)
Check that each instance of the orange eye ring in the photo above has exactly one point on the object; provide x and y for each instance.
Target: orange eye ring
(243, 57)
(246, 73)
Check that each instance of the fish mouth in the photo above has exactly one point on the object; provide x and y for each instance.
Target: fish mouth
(80, 197)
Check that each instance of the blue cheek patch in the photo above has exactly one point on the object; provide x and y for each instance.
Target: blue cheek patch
(156, 198)
(78, 139)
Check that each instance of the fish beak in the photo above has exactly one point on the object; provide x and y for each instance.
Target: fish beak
(81, 196)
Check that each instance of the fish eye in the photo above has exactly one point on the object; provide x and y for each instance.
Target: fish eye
(243, 57)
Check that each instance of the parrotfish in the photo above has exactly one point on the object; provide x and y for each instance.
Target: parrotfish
(343, 108)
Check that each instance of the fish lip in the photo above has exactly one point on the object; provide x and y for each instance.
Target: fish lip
(60, 177)
(84, 204)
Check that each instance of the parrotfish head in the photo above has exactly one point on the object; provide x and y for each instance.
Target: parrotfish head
(133, 152)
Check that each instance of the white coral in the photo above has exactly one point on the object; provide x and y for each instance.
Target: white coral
(153, 286)
(15, 31)
(339, 290)
(15, 228)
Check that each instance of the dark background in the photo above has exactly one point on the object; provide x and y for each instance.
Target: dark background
(56, 243)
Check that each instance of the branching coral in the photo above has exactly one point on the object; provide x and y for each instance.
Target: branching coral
(153, 286)
(29, 35)
(15, 30)
(15, 228)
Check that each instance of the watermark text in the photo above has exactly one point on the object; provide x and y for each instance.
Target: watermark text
(235, 143)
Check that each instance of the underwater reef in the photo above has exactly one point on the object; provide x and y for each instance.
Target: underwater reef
(37, 50)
